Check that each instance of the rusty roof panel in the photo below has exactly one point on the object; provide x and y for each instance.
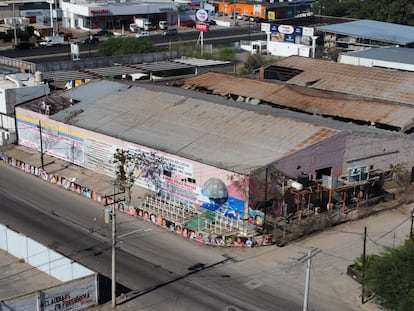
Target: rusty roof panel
(371, 82)
(309, 100)
(226, 84)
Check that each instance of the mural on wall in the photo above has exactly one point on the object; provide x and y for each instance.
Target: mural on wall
(214, 196)
(153, 171)
(159, 172)
(54, 142)
(182, 229)
(98, 155)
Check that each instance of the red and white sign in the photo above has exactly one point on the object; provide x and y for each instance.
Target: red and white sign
(99, 11)
(201, 27)
(286, 29)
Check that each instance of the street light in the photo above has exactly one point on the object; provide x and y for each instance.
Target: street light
(41, 144)
(112, 220)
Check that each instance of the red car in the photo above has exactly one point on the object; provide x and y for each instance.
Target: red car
(189, 23)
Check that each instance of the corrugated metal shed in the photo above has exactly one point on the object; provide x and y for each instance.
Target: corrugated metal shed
(199, 62)
(167, 67)
(227, 137)
(389, 53)
(374, 30)
(308, 100)
(372, 83)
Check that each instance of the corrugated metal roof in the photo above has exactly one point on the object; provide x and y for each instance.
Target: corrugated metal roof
(199, 62)
(369, 82)
(307, 99)
(223, 136)
(94, 91)
(67, 75)
(118, 70)
(389, 53)
(374, 30)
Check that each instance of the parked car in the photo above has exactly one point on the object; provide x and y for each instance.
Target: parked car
(66, 35)
(142, 34)
(90, 40)
(189, 23)
(170, 32)
(212, 22)
(24, 45)
(104, 33)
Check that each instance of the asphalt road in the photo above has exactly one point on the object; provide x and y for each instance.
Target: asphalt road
(156, 265)
(221, 36)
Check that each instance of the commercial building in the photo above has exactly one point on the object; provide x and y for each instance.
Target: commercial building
(90, 15)
(16, 88)
(391, 57)
(230, 154)
(362, 34)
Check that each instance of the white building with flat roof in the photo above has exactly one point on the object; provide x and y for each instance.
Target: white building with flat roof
(90, 15)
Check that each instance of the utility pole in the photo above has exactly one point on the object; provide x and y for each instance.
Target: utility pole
(14, 26)
(364, 266)
(113, 250)
(412, 223)
(113, 222)
(41, 145)
(308, 259)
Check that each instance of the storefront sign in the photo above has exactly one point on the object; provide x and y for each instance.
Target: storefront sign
(201, 27)
(99, 11)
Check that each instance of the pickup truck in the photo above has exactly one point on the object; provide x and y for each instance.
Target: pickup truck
(52, 41)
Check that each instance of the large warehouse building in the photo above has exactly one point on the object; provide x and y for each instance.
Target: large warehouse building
(230, 156)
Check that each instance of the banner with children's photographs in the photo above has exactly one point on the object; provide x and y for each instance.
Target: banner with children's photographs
(200, 236)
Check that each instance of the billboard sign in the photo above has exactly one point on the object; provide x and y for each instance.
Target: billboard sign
(286, 29)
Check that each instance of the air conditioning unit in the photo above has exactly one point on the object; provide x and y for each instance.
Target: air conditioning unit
(357, 173)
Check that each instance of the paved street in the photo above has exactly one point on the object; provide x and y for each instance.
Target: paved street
(330, 287)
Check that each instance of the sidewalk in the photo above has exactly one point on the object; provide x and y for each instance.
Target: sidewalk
(91, 184)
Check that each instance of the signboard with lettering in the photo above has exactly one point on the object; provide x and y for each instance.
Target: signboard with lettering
(289, 33)
(79, 294)
(99, 11)
(201, 27)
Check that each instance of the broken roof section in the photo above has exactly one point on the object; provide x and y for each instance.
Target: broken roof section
(368, 82)
(346, 107)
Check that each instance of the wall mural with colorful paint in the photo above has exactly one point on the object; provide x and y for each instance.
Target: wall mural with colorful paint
(204, 186)
(156, 219)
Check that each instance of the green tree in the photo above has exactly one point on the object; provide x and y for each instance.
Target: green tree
(392, 11)
(391, 277)
(129, 166)
(124, 46)
(253, 62)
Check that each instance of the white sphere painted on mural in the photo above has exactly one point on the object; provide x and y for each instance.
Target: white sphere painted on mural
(216, 190)
(296, 185)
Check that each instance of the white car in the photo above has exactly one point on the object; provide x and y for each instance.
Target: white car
(142, 34)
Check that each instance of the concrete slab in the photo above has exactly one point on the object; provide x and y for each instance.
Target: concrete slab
(18, 278)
